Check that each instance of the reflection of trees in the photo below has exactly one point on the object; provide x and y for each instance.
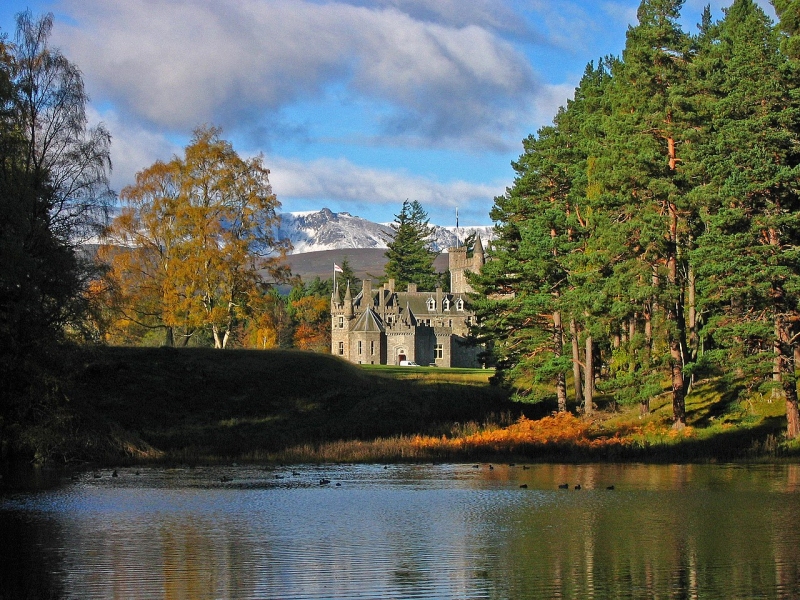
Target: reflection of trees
(697, 539)
(685, 532)
(26, 560)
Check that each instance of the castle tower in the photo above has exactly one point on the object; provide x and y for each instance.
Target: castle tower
(459, 263)
(341, 323)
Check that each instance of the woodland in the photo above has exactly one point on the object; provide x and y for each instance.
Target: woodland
(650, 238)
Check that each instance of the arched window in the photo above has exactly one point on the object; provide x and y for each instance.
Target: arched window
(460, 304)
(446, 303)
(431, 303)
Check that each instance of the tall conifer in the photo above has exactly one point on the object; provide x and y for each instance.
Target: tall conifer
(409, 254)
(748, 258)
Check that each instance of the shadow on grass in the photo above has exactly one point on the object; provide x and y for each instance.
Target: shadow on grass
(227, 404)
(718, 399)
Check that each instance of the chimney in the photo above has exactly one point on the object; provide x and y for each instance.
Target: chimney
(412, 288)
(438, 299)
(366, 292)
(390, 286)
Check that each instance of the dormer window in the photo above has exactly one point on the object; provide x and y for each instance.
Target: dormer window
(460, 304)
(431, 304)
(446, 304)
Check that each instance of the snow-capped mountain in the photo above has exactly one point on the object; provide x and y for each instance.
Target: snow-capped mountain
(327, 230)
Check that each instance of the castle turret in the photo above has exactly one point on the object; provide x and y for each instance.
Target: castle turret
(348, 303)
(478, 254)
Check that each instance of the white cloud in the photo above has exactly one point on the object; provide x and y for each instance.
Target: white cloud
(132, 148)
(342, 182)
(238, 62)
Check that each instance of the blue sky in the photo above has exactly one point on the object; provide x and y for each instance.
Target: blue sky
(356, 105)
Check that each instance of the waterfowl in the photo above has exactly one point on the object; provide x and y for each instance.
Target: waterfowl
(611, 487)
(115, 474)
(563, 486)
(524, 486)
(577, 487)
(324, 481)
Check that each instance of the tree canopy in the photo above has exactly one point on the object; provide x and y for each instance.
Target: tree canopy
(194, 248)
(409, 254)
(53, 191)
(654, 225)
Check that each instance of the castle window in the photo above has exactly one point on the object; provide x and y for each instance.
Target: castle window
(460, 304)
(341, 348)
(438, 351)
(359, 346)
(431, 303)
(372, 347)
(446, 304)
(341, 322)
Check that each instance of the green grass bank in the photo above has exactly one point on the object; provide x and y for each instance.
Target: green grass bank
(137, 405)
(204, 405)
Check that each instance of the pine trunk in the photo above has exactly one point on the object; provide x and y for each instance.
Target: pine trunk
(588, 388)
(558, 350)
(169, 338)
(576, 361)
(788, 377)
(677, 325)
(694, 337)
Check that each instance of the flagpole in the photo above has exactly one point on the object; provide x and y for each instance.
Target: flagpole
(335, 289)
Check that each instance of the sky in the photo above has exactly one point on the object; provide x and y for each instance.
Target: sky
(355, 105)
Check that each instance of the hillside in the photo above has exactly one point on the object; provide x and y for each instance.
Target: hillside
(203, 403)
(364, 261)
(191, 405)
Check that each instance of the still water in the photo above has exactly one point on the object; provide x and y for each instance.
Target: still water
(407, 531)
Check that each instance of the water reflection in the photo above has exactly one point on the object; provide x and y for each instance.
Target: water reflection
(410, 531)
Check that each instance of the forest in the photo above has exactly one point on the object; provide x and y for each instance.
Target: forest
(650, 237)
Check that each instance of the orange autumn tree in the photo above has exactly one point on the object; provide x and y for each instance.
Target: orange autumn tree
(142, 249)
(195, 248)
(312, 314)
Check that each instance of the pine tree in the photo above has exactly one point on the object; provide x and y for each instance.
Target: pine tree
(644, 168)
(410, 259)
(748, 258)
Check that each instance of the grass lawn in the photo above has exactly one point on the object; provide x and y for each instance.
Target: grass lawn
(203, 405)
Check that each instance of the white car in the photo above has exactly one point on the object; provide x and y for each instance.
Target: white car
(408, 363)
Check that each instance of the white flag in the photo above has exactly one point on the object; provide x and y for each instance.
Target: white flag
(337, 268)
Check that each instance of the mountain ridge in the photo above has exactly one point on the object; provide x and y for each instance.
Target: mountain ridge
(315, 231)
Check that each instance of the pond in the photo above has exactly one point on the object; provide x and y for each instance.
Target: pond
(406, 531)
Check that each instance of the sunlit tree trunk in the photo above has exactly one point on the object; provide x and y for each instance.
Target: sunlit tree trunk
(576, 360)
(588, 388)
(558, 349)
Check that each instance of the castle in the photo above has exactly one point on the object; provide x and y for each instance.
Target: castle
(384, 326)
